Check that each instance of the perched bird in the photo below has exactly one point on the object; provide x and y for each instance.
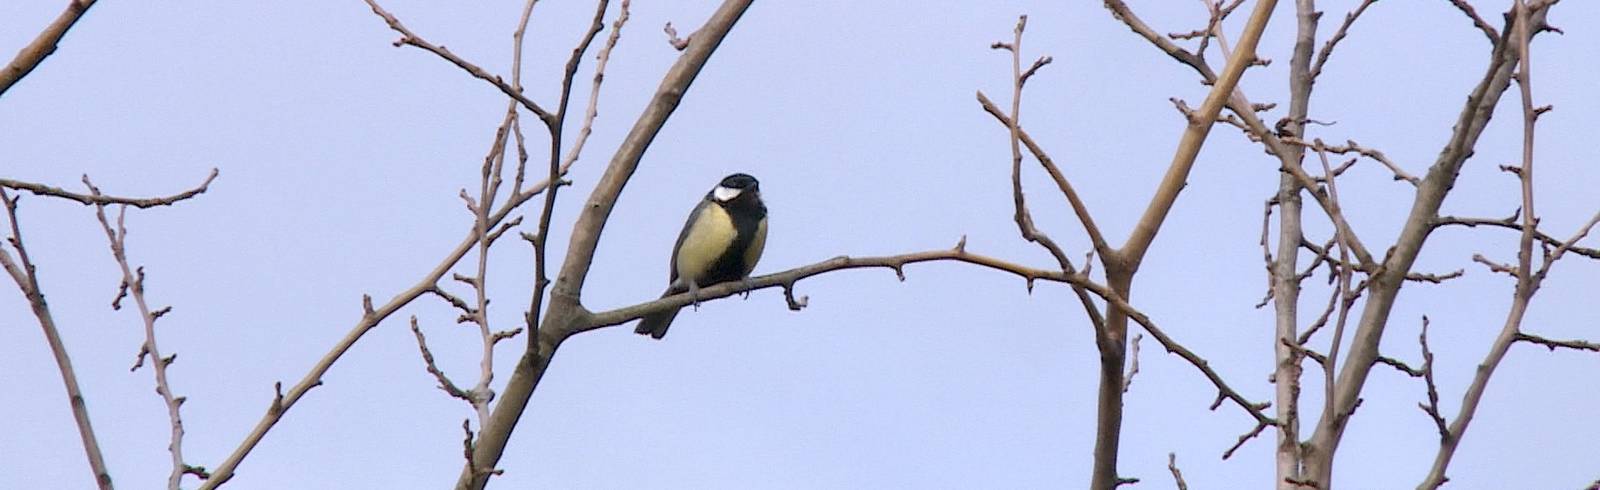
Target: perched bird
(721, 242)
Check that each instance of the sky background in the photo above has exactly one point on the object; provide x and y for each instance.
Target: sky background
(341, 158)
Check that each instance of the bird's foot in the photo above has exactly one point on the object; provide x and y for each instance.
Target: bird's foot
(748, 286)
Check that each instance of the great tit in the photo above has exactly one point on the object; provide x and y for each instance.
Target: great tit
(721, 242)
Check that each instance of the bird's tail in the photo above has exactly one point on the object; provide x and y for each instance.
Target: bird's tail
(655, 325)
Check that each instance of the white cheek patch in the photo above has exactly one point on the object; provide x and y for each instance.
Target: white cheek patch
(725, 194)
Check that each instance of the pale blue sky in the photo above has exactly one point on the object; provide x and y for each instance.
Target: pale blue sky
(341, 157)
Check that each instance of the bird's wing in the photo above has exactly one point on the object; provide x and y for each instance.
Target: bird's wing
(683, 235)
(757, 244)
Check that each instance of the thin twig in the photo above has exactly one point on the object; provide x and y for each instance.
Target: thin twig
(313, 378)
(1511, 224)
(1555, 344)
(1079, 208)
(1432, 407)
(1020, 213)
(1177, 476)
(1351, 146)
(1477, 21)
(1342, 291)
(134, 282)
(433, 369)
(409, 38)
(587, 126)
(1338, 35)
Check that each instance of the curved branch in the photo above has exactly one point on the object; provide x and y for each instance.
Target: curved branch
(787, 279)
(93, 199)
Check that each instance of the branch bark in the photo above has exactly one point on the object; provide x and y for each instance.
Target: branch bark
(1282, 271)
(1121, 266)
(22, 270)
(42, 46)
(133, 285)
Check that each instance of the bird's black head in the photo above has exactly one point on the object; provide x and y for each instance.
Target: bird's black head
(734, 186)
(740, 181)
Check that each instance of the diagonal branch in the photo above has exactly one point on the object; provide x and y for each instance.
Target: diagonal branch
(282, 402)
(1338, 35)
(409, 38)
(22, 270)
(1245, 110)
(1436, 184)
(42, 46)
(1527, 280)
(1194, 137)
(1477, 21)
(1078, 206)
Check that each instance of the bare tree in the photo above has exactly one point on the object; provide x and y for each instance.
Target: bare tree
(1364, 283)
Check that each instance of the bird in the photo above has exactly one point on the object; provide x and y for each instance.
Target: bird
(721, 242)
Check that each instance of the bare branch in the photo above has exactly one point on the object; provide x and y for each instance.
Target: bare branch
(1351, 146)
(1527, 281)
(22, 270)
(1401, 366)
(1510, 223)
(133, 284)
(1466, 8)
(1338, 35)
(372, 317)
(1554, 344)
(42, 47)
(592, 111)
(787, 279)
(89, 199)
(453, 300)
(1078, 206)
(1436, 184)
(1194, 136)
(433, 369)
(1022, 216)
(409, 38)
(1246, 437)
(1177, 476)
(1245, 110)
(1432, 407)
